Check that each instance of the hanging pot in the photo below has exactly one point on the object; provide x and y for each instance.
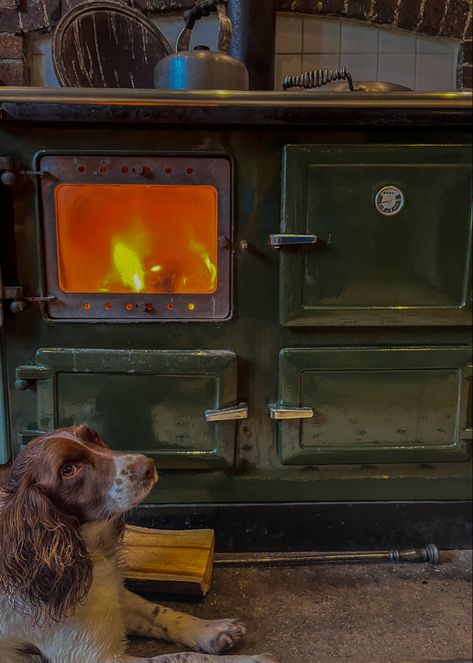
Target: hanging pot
(201, 68)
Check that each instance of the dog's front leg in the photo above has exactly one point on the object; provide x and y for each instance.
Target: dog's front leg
(203, 658)
(17, 652)
(149, 619)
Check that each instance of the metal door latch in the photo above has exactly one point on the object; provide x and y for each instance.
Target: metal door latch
(27, 376)
(18, 301)
(239, 411)
(282, 412)
(287, 240)
(9, 171)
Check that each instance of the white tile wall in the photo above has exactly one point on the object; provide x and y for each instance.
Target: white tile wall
(432, 68)
(319, 36)
(289, 35)
(357, 38)
(369, 53)
(398, 68)
(204, 31)
(308, 42)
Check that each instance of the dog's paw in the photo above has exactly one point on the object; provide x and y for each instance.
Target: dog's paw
(220, 635)
(262, 658)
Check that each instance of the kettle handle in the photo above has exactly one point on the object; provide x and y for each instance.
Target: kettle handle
(201, 9)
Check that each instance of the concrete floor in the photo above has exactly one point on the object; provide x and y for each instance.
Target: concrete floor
(331, 614)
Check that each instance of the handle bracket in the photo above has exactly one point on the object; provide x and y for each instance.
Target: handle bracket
(289, 240)
(279, 412)
(239, 411)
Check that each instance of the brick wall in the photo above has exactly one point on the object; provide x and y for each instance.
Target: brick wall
(443, 18)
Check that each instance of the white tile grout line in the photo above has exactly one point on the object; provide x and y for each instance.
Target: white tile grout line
(339, 43)
(415, 64)
(456, 55)
(339, 55)
(377, 58)
(302, 35)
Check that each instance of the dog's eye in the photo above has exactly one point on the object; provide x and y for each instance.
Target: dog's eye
(69, 471)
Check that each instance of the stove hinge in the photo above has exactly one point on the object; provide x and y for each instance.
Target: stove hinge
(19, 302)
(9, 171)
(27, 376)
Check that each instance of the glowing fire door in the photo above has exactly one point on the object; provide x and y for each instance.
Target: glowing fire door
(137, 237)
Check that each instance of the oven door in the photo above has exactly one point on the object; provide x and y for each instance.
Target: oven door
(374, 405)
(375, 235)
(176, 406)
(136, 237)
(4, 442)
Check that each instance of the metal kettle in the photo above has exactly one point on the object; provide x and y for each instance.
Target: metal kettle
(202, 69)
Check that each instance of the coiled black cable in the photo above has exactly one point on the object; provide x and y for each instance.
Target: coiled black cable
(319, 78)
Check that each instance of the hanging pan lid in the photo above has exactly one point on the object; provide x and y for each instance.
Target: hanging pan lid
(107, 44)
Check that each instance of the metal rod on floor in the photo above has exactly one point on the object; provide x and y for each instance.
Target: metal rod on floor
(428, 554)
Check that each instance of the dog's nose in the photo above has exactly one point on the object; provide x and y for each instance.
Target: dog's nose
(145, 468)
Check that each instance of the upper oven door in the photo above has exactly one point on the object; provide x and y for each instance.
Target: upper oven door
(375, 235)
(136, 237)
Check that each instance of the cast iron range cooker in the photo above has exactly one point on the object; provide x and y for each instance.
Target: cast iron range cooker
(307, 297)
(136, 237)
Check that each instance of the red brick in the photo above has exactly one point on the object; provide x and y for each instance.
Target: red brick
(409, 14)
(468, 34)
(336, 7)
(467, 52)
(307, 6)
(432, 18)
(70, 4)
(456, 19)
(385, 11)
(163, 5)
(12, 72)
(9, 21)
(359, 9)
(466, 77)
(284, 5)
(36, 16)
(11, 47)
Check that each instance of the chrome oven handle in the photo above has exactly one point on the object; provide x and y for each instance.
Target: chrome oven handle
(287, 240)
(282, 412)
(239, 411)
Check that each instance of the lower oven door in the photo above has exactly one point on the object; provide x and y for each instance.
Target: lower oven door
(373, 405)
(4, 446)
(163, 403)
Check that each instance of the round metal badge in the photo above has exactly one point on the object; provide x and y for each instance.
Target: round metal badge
(389, 200)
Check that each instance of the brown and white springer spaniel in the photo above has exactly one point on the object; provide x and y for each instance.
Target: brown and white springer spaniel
(62, 598)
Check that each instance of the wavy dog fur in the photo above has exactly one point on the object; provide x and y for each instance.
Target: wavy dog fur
(62, 598)
(45, 568)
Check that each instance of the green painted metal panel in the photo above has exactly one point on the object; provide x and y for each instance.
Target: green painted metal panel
(148, 401)
(410, 268)
(4, 426)
(376, 405)
(4, 441)
(254, 333)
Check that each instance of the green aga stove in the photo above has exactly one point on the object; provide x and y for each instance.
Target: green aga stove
(267, 293)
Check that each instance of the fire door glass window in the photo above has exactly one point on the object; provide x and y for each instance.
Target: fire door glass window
(137, 238)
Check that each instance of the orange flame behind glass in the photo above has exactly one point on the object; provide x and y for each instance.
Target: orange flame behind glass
(130, 238)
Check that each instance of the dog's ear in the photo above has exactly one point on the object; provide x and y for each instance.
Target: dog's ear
(85, 433)
(45, 569)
